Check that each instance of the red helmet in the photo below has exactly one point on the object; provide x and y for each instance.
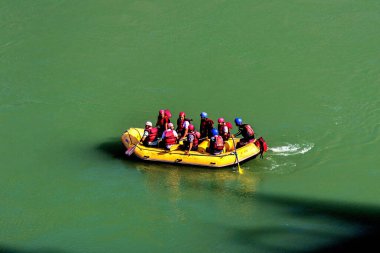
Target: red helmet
(221, 120)
(182, 114)
(229, 125)
(168, 113)
(161, 112)
(191, 127)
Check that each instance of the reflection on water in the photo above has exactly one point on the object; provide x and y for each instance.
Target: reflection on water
(183, 183)
(177, 177)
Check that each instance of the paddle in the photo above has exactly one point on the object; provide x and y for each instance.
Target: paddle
(130, 151)
(174, 147)
(237, 158)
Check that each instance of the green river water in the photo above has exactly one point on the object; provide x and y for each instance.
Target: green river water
(74, 75)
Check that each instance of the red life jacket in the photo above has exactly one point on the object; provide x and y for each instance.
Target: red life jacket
(161, 121)
(202, 128)
(152, 134)
(180, 125)
(196, 140)
(206, 126)
(221, 132)
(247, 131)
(170, 139)
(219, 143)
(260, 143)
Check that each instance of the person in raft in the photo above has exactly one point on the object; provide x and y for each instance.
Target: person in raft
(162, 121)
(182, 125)
(206, 126)
(192, 140)
(223, 129)
(170, 136)
(149, 137)
(246, 131)
(216, 143)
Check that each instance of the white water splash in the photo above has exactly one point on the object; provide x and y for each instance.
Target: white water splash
(292, 149)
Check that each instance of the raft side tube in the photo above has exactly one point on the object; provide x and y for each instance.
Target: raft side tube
(227, 158)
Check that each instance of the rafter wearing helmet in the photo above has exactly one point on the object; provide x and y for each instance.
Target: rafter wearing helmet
(206, 126)
(246, 131)
(150, 135)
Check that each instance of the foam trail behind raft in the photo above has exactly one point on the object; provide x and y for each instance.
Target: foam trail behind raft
(291, 149)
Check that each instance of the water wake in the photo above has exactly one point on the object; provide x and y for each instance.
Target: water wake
(292, 149)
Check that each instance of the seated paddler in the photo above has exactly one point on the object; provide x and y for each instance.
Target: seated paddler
(246, 131)
(169, 137)
(162, 121)
(206, 126)
(150, 135)
(182, 125)
(216, 143)
(223, 129)
(192, 140)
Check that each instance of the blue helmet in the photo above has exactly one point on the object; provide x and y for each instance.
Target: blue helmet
(238, 121)
(204, 115)
(214, 132)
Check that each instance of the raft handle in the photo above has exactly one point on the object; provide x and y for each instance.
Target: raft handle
(146, 157)
(212, 163)
(178, 160)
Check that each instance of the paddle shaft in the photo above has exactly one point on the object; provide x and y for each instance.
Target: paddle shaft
(236, 155)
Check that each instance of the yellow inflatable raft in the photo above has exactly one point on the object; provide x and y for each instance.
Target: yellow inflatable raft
(132, 137)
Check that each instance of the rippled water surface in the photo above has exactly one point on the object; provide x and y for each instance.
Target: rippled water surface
(74, 75)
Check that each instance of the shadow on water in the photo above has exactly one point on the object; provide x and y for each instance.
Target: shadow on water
(320, 226)
(113, 148)
(302, 225)
(7, 249)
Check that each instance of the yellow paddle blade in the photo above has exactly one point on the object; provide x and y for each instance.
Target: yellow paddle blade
(174, 147)
(241, 171)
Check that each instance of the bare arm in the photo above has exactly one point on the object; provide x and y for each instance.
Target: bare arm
(185, 134)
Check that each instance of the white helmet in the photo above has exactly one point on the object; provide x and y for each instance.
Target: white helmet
(148, 123)
(170, 125)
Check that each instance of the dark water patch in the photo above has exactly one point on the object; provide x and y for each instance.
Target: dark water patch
(8, 249)
(114, 148)
(350, 227)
